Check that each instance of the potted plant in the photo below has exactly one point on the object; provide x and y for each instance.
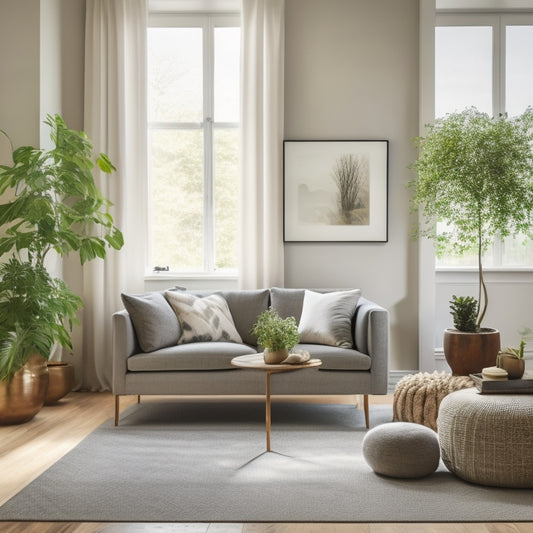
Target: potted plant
(276, 335)
(54, 207)
(512, 361)
(475, 176)
(466, 350)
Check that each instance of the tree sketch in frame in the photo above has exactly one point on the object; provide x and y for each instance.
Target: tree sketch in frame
(350, 175)
(342, 198)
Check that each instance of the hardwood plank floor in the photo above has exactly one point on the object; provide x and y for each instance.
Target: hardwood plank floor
(27, 450)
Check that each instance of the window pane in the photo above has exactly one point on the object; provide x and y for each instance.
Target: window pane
(519, 69)
(226, 198)
(177, 193)
(175, 75)
(227, 71)
(463, 68)
(518, 252)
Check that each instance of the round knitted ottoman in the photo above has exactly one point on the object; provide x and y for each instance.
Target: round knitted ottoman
(401, 449)
(488, 438)
(417, 396)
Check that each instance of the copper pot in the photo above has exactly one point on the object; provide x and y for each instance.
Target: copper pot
(22, 397)
(469, 353)
(61, 381)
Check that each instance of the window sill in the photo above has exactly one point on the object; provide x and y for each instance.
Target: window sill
(174, 276)
(502, 270)
(215, 281)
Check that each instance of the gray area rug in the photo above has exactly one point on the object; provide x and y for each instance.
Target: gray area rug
(205, 461)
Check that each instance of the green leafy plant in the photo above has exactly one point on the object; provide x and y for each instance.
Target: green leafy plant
(464, 312)
(515, 352)
(475, 174)
(274, 332)
(56, 206)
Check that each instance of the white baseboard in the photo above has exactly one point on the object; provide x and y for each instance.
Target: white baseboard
(395, 376)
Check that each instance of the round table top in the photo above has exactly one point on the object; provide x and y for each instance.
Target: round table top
(256, 361)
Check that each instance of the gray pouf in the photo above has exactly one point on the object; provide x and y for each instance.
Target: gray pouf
(402, 449)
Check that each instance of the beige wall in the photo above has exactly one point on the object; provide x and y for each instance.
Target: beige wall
(351, 72)
(41, 66)
(19, 70)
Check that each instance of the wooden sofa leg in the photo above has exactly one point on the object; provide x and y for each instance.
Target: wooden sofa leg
(138, 398)
(117, 408)
(367, 415)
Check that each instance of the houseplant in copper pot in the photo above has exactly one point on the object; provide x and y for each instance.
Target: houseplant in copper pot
(49, 205)
(475, 177)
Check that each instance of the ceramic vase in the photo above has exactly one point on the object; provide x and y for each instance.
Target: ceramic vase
(469, 353)
(515, 367)
(275, 357)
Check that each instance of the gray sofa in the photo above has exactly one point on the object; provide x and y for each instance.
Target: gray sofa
(147, 360)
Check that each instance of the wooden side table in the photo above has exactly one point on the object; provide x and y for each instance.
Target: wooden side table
(256, 362)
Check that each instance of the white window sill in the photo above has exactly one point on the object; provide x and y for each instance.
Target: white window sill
(485, 269)
(167, 280)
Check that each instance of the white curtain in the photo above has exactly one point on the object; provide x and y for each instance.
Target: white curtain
(261, 261)
(115, 121)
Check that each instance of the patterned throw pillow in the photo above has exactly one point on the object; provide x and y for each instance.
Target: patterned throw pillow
(206, 319)
(327, 318)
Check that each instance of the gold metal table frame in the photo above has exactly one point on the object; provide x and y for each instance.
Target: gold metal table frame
(256, 362)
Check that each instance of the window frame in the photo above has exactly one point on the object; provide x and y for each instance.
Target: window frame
(208, 22)
(499, 22)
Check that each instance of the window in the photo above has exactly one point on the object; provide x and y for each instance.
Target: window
(193, 140)
(486, 61)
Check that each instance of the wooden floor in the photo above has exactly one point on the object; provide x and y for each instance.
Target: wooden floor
(27, 450)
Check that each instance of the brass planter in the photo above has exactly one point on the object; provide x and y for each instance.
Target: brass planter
(61, 381)
(23, 397)
(470, 353)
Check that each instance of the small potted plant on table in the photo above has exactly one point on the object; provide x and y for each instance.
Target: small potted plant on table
(276, 335)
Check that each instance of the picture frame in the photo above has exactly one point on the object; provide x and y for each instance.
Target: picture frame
(335, 191)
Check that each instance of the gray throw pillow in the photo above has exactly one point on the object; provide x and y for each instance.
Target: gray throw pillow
(327, 318)
(154, 321)
(205, 319)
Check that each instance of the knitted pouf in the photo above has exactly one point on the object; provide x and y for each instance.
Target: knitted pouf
(487, 438)
(401, 449)
(417, 396)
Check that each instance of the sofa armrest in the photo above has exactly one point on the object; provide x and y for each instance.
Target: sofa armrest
(124, 345)
(371, 333)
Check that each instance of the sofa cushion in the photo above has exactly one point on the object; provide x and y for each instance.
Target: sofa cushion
(245, 307)
(203, 319)
(287, 302)
(334, 358)
(154, 321)
(327, 318)
(196, 356)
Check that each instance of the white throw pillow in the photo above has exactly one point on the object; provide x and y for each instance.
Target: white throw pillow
(203, 319)
(327, 318)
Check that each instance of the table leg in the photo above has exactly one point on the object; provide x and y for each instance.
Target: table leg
(267, 413)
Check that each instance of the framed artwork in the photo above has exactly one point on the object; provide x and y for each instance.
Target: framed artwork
(335, 191)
